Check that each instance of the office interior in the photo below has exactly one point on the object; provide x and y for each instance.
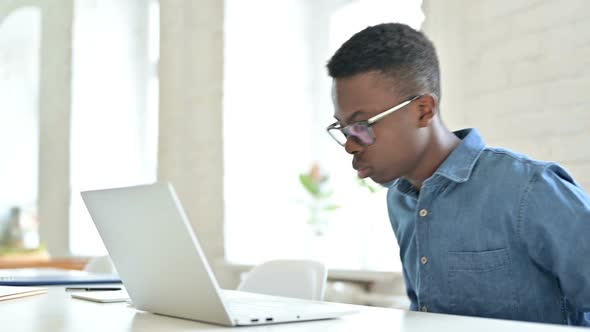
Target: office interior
(228, 101)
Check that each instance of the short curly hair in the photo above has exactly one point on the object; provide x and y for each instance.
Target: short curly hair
(394, 50)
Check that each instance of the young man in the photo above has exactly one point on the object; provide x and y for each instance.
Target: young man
(482, 231)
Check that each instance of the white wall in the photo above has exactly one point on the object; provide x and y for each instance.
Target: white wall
(519, 72)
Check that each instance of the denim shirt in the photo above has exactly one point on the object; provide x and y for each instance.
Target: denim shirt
(493, 233)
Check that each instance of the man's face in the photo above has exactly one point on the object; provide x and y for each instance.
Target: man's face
(400, 138)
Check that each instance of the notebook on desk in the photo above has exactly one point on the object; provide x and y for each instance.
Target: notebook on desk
(53, 276)
(164, 270)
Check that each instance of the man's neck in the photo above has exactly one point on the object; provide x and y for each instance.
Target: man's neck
(443, 142)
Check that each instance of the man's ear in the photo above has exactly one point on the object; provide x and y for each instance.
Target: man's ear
(427, 106)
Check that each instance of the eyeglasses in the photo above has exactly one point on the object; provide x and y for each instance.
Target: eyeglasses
(362, 131)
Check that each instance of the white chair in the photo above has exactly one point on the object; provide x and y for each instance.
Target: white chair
(303, 279)
(100, 264)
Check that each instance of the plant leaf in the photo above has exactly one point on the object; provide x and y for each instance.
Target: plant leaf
(309, 185)
(331, 207)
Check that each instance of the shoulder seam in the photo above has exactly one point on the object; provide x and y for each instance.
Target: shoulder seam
(517, 157)
(523, 201)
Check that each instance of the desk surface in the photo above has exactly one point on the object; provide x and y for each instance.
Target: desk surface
(57, 311)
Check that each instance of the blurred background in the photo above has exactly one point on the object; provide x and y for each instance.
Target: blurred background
(228, 101)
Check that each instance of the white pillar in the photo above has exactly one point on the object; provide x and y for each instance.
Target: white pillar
(190, 141)
(54, 125)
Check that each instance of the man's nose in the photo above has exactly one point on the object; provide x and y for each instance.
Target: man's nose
(352, 146)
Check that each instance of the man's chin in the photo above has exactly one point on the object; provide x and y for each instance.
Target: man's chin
(383, 180)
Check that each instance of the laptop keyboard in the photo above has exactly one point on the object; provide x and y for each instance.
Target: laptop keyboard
(254, 305)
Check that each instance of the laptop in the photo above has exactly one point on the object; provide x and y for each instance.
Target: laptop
(162, 265)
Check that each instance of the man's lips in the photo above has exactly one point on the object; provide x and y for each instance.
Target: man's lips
(362, 170)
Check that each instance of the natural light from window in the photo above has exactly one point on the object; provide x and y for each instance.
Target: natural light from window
(114, 108)
(20, 36)
(276, 106)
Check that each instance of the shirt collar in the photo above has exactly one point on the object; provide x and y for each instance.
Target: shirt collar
(458, 165)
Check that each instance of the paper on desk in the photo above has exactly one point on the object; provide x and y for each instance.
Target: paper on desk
(13, 292)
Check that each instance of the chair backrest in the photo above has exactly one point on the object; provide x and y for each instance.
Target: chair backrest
(100, 264)
(304, 279)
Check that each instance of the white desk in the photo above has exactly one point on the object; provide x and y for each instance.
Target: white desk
(56, 311)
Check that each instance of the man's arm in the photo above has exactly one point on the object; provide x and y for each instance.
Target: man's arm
(554, 222)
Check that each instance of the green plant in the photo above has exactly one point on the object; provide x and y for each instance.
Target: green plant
(316, 184)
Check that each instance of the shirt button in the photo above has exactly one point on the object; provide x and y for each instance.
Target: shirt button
(423, 260)
(424, 309)
(423, 213)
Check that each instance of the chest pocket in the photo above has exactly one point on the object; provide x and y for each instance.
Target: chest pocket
(481, 284)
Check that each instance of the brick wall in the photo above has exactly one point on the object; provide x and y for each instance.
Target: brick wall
(519, 71)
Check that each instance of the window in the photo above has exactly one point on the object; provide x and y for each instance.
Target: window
(276, 106)
(114, 111)
(20, 34)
